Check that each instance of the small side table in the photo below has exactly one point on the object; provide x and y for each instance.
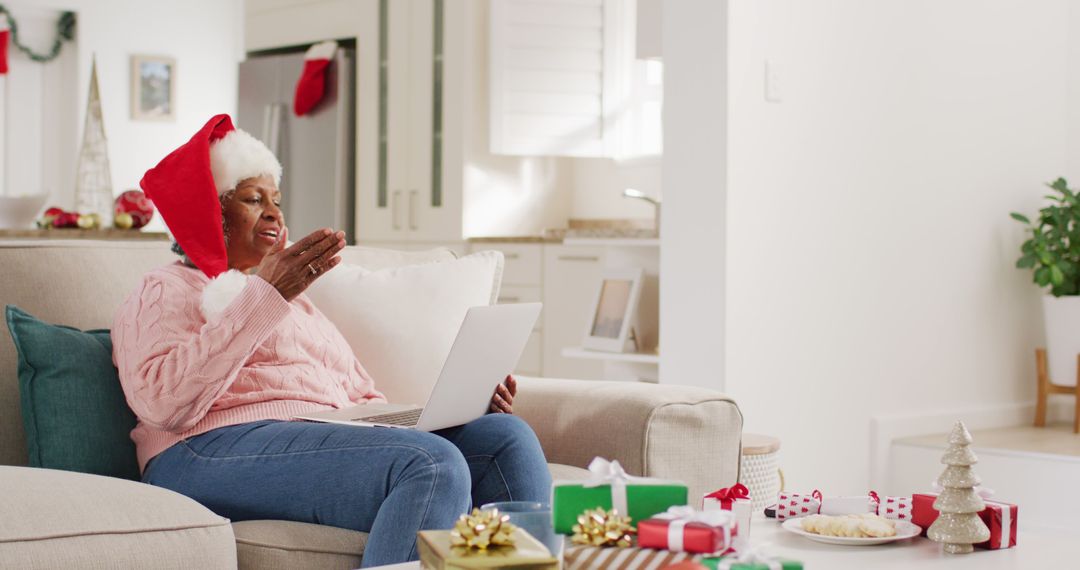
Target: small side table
(759, 469)
(1046, 388)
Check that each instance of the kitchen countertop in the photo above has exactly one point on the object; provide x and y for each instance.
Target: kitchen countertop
(515, 239)
(587, 229)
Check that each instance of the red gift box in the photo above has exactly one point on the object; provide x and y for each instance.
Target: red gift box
(681, 529)
(998, 516)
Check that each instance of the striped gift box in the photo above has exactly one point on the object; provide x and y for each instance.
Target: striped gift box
(597, 558)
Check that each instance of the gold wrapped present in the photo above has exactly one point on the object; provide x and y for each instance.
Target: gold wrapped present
(438, 553)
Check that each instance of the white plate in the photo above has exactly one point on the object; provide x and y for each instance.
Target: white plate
(904, 531)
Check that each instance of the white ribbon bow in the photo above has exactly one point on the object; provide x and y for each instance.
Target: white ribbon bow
(604, 472)
(682, 516)
(751, 556)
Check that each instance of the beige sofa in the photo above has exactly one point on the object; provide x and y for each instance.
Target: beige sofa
(60, 519)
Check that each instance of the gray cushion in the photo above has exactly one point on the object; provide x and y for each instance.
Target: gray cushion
(62, 519)
(567, 472)
(284, 545)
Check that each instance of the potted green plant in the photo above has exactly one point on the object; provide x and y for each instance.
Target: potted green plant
(1052, 252)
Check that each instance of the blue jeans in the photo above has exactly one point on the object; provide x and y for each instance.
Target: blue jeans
(384, 481)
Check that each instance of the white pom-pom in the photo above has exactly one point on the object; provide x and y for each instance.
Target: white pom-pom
(221, 291)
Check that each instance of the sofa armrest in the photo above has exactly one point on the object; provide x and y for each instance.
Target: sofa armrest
(673, 432)
(62, 519)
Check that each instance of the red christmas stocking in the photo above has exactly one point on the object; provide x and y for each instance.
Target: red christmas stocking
(312, 84)
(4, 33)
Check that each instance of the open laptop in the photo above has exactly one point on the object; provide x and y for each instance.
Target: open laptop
(486, 349)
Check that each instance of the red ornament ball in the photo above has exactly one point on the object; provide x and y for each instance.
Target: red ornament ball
(136, 203)
(66, 220)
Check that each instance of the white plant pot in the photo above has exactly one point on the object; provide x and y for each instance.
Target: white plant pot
(1062, 320)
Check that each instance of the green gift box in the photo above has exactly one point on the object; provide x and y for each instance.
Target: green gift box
(714, 563)
(644, 497)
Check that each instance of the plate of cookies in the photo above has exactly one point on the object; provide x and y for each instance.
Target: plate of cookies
(855, 530)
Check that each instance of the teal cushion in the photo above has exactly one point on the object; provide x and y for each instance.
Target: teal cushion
(73, 408)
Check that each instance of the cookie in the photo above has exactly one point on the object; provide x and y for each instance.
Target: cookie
(876, 527)
(812, 523)
(850, 527)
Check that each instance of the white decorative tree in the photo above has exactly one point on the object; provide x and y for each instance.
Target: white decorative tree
(959, 526)
(93, 182)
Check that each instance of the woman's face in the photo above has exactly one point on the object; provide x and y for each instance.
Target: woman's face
(253, 221)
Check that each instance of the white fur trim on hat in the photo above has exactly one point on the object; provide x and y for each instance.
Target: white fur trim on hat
(221, 291)
(238, 156)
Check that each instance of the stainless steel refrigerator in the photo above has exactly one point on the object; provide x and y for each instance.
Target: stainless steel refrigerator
(317, 151)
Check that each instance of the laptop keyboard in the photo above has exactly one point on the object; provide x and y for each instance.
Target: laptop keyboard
(405, 418)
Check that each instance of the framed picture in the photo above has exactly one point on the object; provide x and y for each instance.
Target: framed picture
(153, 88)
(613, 311)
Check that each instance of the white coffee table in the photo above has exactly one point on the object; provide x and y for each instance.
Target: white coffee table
(1033, 550)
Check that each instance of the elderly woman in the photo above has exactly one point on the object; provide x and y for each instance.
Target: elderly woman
(217, 352)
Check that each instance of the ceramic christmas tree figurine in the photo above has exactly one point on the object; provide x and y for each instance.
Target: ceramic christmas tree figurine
(959, 525)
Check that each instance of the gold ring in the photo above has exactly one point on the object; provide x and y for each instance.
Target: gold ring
(313, 270)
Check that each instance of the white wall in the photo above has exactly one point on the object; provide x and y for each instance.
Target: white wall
(40, 110)
(692, 235)
(205, 38)
(870, 252)
(504, 195)
(512, 195)
(599, 183)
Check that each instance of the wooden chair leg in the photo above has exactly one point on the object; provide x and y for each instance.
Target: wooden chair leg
(1076, 393)
(1043, 385)
(1076, 418)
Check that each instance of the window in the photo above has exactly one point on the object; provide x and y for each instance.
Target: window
(564, 81)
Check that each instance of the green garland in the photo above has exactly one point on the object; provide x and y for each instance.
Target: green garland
(65, 30)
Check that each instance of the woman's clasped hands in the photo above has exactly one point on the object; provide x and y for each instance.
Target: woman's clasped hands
(292, 269)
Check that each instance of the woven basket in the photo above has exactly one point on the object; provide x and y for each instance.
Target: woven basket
(760, 470)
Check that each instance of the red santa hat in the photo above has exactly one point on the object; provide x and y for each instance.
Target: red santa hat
(312, 84)
(186, 187)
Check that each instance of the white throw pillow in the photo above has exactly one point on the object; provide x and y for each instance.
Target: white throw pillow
(401, 321)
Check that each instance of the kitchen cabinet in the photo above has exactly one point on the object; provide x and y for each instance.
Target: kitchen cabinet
(404, 197)
(565, 277)
(650, 34)
(522, 282)
(571, 276)
(410, 83)
(421, 116)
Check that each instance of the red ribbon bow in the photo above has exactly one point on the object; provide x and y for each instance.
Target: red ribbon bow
(728, 495)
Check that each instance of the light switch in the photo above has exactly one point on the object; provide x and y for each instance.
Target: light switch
(773, 83)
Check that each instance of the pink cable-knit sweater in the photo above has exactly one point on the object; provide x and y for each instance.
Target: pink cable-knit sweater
(261, 358)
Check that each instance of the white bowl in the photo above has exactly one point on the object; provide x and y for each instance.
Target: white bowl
(19, 212)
